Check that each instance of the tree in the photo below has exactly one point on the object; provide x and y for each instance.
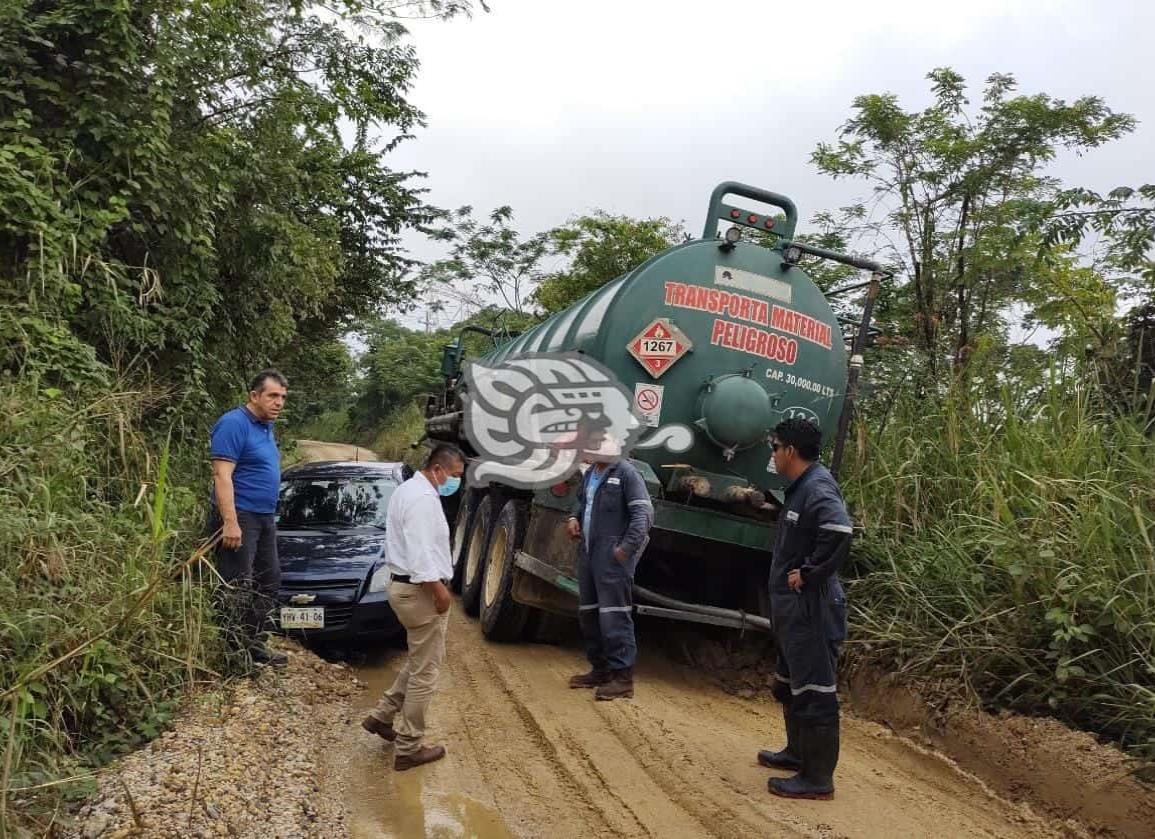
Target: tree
(320, 379)
(601, 247)
(960, 199)
(400, 363)
(1123, 222)
(488, 259)
(176, 190)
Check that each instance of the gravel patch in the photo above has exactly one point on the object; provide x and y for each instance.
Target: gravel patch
(243, 761)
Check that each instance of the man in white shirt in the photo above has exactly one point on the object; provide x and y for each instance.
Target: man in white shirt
(418, 559)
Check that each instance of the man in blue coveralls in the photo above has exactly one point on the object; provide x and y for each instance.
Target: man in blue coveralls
(611, 520)
(807, 612)
(246, 483)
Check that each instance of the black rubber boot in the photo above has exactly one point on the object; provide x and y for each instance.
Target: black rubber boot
(819, 757)
(790, 757)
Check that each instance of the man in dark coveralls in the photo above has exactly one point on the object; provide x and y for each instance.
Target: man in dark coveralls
(611, 520)
(807, 612)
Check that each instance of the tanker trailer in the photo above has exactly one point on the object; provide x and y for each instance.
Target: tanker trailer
(722, 337)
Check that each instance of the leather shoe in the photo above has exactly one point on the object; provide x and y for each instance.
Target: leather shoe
(620, 685)
(595, 678)
(381, 729)
(426, 754)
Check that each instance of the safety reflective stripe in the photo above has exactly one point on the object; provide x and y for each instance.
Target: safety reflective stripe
(615, 608)
(838, 528)
(818, 688)
(587, 608)
(638, 501)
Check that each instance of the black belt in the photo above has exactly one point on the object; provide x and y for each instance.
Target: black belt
(404, 578)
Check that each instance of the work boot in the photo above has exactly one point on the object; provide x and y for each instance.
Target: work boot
(619, 686)
(426, 754)
(596, 677)
(819, 757)
(381, 729)
(790, 757)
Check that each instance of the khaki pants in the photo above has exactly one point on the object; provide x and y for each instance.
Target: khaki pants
(413, 688)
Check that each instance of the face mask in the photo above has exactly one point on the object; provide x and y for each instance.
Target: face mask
(450, 486)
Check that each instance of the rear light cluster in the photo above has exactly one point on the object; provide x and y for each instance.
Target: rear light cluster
(752, 219)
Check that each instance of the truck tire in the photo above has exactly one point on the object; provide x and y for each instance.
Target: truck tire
(502, 618)
(462, 529)
(473, 574)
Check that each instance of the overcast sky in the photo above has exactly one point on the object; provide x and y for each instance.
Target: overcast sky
(640, 107)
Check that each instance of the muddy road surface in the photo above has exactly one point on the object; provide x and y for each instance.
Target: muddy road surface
(527, 756)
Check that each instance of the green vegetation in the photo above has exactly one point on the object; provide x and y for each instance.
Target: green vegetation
(189, 191)
(1005, 488)
(175, 174)
(398, 433)
(102, 626)
(1008, 549)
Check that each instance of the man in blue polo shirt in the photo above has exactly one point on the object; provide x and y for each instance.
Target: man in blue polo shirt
(246, 480)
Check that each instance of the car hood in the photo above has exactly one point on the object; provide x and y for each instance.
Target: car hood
(334, 553)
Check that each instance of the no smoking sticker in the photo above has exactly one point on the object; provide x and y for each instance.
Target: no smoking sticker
(648, 403)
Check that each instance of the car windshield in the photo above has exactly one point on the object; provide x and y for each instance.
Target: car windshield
(348, 502)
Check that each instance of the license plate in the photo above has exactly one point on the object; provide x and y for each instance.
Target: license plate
(309, 617)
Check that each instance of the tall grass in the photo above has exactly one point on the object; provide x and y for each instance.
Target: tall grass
(1008, 547)
(101, 624)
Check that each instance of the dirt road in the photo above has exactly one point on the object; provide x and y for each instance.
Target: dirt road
(314, 450)
(529, 757)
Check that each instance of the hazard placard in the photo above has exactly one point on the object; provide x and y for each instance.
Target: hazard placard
(658, 346)
(648, 403)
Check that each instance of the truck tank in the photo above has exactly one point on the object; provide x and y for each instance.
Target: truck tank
(722, 336)
(725, 342)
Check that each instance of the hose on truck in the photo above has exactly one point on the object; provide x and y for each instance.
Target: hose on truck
(756, 621)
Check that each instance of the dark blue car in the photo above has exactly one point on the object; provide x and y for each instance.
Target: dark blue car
(331, 542)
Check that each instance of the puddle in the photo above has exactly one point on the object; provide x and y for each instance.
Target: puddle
(400, 808)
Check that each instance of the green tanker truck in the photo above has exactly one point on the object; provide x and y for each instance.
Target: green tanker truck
(718, 337)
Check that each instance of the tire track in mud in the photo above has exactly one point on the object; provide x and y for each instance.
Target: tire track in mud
(679, 765)
(887, 786)
(667, 759)
(478, 670)
(610, 766)
(677, 760)
(695, 745)
(614, 754)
